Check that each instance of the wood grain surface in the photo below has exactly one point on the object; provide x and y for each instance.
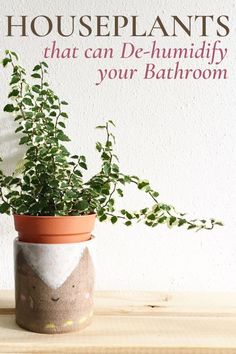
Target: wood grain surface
(135, 322)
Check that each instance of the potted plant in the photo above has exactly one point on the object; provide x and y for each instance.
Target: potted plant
(54, 208)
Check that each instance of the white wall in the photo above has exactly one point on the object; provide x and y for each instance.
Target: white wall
(178, 134)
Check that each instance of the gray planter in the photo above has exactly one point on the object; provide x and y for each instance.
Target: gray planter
(54, 285)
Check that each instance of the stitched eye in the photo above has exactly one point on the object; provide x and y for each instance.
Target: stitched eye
(34, 287)
(73, 286)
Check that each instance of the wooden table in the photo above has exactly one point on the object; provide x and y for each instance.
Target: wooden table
(135, 322)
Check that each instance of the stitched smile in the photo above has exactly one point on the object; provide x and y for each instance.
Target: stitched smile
(53, 299)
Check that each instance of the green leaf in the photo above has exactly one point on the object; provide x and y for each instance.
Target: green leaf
(107, 168)
(14, 55)
(191, 227)
(162, 219)
(111, 122)
(8, 179)
(172, 220)
(61, 136)
(115, 167)
(36, 76)
(103, 217)
(62, 124)
(78, 173)
(44, 64)
(28, 125)
(24, 140)
(151, 217)
(143, 184)
(22, 209)
(127, 179)
(18, 117)
(155, 194)
(6, 61)
(29, 114)
(14, 80)
(36, 88)
(83, 165)
(120, 192)
(38, 139)
(99, 147)
(182, 222)
(50, 99)
(36, 68)
(13, 93)
(219, 223)
(64, 114)
(4, 208)
(40, 115)
(27, 101)
(83, 205)
(9, 108)
(128, 215)
(149, 223)
(105, 156)
(54, 150)
(26, 179)
(19, 129)
(114, 219)
(64, 103)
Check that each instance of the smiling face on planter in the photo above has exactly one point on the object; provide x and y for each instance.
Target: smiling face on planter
(54, 304)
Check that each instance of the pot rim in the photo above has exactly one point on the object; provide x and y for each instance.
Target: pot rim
(17, 241)
(55, 216)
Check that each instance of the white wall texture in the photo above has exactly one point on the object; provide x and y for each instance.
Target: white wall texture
(178, 134)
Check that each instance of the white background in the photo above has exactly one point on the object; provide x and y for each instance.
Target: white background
(178, 134)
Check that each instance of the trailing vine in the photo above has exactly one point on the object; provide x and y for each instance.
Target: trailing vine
(51, 181)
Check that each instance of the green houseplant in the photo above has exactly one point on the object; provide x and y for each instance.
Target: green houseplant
(51, 180)
(52, 204)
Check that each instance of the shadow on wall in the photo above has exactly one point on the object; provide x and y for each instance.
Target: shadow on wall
(10, 150)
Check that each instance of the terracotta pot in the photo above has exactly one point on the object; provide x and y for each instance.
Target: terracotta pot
(54, 229)
(54, 286)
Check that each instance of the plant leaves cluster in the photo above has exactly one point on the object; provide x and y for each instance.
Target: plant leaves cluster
(51, 180)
